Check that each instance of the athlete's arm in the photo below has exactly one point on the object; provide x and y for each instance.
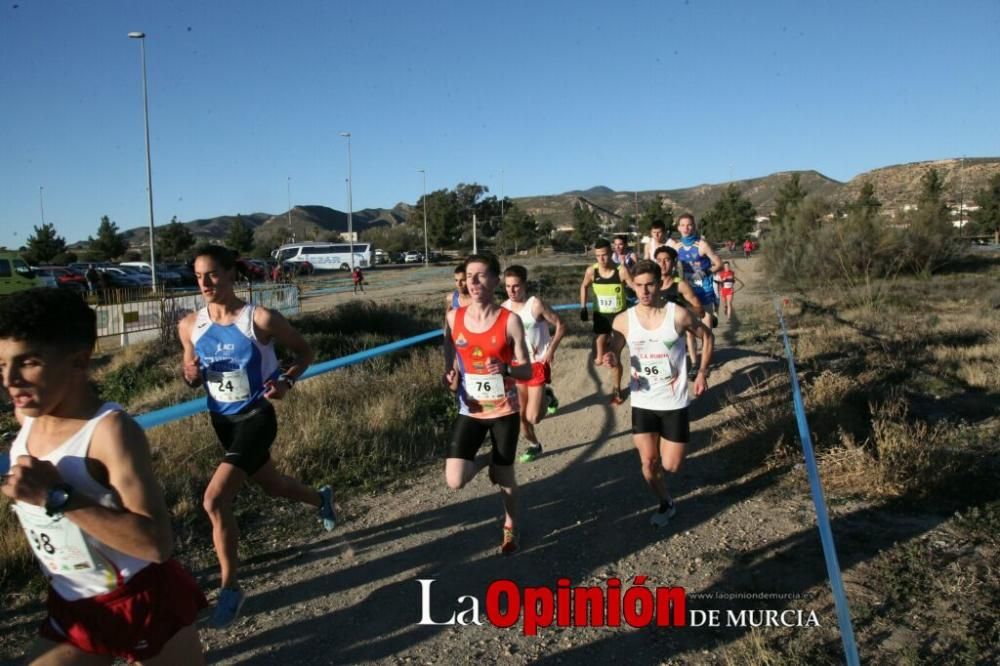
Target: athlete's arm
(687, 293)
(706, 249)
(683, 321)
(275, 327)
(191, 368)
(619, 333)
(141, 528)
(449, 348)
(625, 276)
(515, 333)
(588, 279)
(543, 311)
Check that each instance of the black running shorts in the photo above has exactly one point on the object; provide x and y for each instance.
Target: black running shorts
(470, 433)
(247, 436)
(672, 425)
(602, 323)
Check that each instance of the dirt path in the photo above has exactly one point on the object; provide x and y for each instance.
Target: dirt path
(354, 597)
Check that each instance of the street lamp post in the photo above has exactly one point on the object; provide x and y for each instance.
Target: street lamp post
(141, 36)
(41, 203)
(291, 232)
(350, 203)
(426, 249)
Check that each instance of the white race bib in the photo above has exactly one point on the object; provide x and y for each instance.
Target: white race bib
(484, 388)
(608, 303)
(229, 386)
(653, 371)
(58, 543)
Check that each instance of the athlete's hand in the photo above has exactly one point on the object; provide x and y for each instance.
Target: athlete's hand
(192, 372)
(583, 313)
(275, 390)
(450, 379)
(610, 360)
(30, 480)
(495, 367)
(700, 384)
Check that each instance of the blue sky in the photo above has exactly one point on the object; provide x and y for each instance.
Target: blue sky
(532, 97)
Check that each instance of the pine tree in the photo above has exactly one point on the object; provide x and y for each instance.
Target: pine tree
(109, 244)
(44, 244)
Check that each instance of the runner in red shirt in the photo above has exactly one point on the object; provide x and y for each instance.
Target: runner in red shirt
(726, 280)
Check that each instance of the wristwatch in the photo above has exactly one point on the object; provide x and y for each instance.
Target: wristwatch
(57, 499)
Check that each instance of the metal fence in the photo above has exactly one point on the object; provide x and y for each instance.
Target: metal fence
(137, 315)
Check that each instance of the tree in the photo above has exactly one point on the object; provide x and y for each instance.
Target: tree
(586, 225)
(988, 200)
(656, 211)
(44, 244)
(519, 228)
(444, 225)
(867, 204)
(790, 196)
(731, 217)
(173, 240)
(930, 234)
(267, 241)
(109, 244)
(239, 236)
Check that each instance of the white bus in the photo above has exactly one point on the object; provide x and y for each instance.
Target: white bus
(325, 256)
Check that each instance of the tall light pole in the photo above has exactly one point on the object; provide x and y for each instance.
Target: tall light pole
(141, 36)
(426, 249)
(41, 203)
(291, 232)
(350, 203)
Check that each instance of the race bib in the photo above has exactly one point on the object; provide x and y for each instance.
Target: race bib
(230, 386)
(727, 284)
(484, 388)
(656, 369)
(58, 543)
(609, 304)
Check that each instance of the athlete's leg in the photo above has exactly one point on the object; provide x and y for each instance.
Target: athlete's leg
(276, 484)
(46, 653)
(503, 432)
(218, 504)
(616, 373)
(671, 454)
(183, 648)
(601, 344)
(458, 471)
(462, 463)
(647, 445)
(533, 406)
(503, 476)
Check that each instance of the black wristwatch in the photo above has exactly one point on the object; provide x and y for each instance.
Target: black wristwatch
(57, 499)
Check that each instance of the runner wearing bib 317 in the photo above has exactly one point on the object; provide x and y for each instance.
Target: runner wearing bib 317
(655, 334)
(605, 284)
(487, 343)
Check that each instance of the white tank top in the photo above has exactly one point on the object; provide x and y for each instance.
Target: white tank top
(536, 331)
(77, 565)
(657, 363)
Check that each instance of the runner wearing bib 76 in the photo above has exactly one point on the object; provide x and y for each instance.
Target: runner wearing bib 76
(487, 343)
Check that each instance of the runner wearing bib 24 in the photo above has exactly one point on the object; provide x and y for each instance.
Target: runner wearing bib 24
(487, 344)
(229, 347)
(86, 496)
(655, 334)
(605, 283)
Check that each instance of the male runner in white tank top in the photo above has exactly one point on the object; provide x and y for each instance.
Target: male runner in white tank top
(655, 334)
(84, 491)
(536, 317)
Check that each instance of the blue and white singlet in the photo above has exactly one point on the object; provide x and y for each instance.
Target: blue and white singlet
(235, 366)
(697, 270)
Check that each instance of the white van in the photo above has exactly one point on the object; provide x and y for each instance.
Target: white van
(326, 256)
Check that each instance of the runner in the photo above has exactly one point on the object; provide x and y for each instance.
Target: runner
(84, 491)
(229, 347)
(726, 279)
(622, 254)
(607, 282)
(459, 297)
(672, 288)
(657, 239)
(536, 317)
(659, 393)
(747, 248)
(698, 262)
(490, 356)
(359, 279)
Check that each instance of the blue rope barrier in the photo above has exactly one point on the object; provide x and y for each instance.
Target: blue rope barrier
(822, 515)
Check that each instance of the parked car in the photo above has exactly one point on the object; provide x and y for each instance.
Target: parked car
(185, 272)
(119, 278)
(62, 277)
(381, 257)
(247, 269)
(413, 257)
(15, 274)
(164, 275)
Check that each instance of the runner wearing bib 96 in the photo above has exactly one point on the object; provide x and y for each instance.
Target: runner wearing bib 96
(654, 332)
(84, 491)
(229, 348)
(607, 283)
(490, 355)
(536, 317)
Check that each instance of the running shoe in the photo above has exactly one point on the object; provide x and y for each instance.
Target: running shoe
(553, 402)
(531, 453)
(327, 515)
(663, 515)
(616, 397)
(227, 608)
(509, 544)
